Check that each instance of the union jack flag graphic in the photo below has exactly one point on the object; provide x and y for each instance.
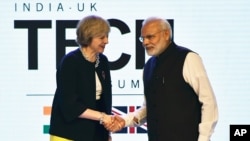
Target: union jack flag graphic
(122, 110)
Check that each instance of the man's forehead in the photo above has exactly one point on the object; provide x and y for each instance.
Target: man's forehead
(149, 29)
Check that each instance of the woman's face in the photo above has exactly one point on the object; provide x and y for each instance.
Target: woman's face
(98, 43)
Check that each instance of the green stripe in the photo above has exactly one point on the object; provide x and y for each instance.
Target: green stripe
(45, 129)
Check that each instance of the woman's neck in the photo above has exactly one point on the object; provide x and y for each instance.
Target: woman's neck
(88, 54)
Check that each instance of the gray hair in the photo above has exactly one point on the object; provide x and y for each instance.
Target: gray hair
(165, 25)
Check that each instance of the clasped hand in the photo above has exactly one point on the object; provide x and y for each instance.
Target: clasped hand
(113, 123)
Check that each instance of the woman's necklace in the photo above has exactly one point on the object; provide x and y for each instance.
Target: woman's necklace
(97, 61)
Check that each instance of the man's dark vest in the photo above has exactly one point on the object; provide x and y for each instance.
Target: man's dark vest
(173, 109)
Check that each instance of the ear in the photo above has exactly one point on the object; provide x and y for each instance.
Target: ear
(166, 34)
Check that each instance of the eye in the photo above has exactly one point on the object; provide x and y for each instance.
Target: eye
(150, 37)
(103, 37)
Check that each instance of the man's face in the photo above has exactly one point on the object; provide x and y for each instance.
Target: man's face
(154, 38)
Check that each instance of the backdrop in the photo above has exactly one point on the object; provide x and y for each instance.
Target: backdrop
(36, 34)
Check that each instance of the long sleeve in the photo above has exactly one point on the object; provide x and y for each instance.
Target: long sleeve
(66, 94)
(195, 75)
(140, 114)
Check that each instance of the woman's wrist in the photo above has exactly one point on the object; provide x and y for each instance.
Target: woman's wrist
(101, 119)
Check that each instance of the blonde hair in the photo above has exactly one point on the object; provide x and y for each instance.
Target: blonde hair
(89, 27)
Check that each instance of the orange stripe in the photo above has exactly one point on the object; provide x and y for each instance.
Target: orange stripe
(47, 110)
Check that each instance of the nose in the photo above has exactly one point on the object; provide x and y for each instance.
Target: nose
(145, 41)
(106, 40)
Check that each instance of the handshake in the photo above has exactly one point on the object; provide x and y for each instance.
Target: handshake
(112, 123)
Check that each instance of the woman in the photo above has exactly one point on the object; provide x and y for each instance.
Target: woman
(83, 96)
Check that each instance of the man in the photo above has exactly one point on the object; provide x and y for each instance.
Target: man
(179, 101)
